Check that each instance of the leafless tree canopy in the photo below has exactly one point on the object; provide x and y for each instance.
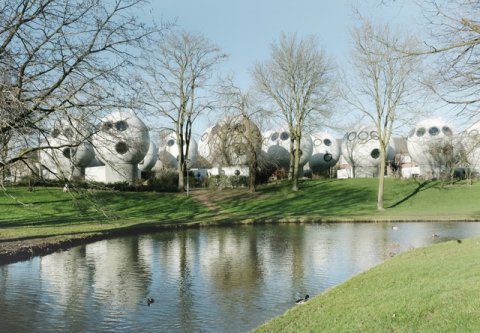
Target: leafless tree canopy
(455, 41)
(176, 79)
(383, 83)
(297, 81)
(61, 58)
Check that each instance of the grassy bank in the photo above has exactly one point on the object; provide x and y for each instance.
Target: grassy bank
(433, 289)
(50, 212)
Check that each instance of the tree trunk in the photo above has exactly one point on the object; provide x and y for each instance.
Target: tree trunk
(381, 180)
(296, 163)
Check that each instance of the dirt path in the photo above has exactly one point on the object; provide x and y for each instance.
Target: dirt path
(203, 197)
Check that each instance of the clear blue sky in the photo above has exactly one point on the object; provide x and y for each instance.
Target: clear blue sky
(244, 29)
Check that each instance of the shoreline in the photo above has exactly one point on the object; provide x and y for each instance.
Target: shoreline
(16, 250)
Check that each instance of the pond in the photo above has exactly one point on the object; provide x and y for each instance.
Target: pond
(202, 280)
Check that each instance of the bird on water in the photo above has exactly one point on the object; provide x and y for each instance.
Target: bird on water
(150, 301)
(302, 300)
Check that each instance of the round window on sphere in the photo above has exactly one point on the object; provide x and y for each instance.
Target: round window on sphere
(121, 125)
(327, 157)
(108, 125)
(67, 153)
(363, 135)
(374, 135)
(327, 142)
(317, 142)
(420, 132)
(55, 133)
(473, 133)
(284, 136)
(237, 172)
(447, 131)
(274, 136)
(433, 131)
(121, 148)
(68, 132)
(375, 153)
(352, 136)
(170, 142)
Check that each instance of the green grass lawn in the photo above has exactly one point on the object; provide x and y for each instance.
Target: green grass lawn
(432, 289)
(48, 211)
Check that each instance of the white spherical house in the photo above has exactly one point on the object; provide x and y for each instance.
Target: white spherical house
(150, 158)
(361, 150)
(430, 143)
(121, 143)
(71, 151)
(326, 152)
(276, 145)
(229, 142)
(168, 151)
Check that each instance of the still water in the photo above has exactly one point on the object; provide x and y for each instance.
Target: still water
(202, 280)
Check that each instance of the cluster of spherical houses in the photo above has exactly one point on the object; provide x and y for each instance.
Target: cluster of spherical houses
(121, 148)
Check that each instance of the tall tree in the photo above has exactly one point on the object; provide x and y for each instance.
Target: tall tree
(177, 74)
(297, 81)
(61, 58)
(383, 84)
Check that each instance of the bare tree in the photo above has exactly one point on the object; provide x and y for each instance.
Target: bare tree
(454, 43)
(60, 59)
(297, 81)
(383, 84)
(239, 136)
(177, 75)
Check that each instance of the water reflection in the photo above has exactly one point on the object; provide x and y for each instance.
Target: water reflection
(207, 280)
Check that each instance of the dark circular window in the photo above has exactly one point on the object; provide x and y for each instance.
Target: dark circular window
(317, 142)
(284, 136)
(352, 136)
(121, 125)
(363, 135)
(447, 131)
(170, 142)
(420, 132)
(68, 132)
(55, 133)
(375, 153)
(327, 157)
(274, 136)
(121, 148)
(108, 125)
(433, 130)
(327, 142)
(237, 172)
(374, 135)
(67, 153)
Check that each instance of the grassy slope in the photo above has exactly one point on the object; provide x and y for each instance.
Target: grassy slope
(49, 211)
(433, 289)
